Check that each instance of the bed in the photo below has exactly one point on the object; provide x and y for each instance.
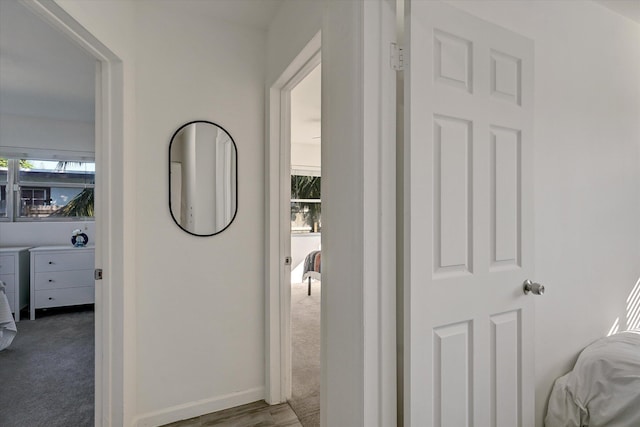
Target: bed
(7, 324)
(312, 268)
(603, 389)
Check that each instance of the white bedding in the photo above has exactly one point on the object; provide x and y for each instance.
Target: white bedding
(7, 325)
(603, 389)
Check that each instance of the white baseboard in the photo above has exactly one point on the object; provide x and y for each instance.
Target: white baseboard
(200, 407)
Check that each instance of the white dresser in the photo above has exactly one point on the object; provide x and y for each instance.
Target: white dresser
(14, 272)
(60, 276)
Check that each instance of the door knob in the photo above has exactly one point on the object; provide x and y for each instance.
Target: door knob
(534, 288)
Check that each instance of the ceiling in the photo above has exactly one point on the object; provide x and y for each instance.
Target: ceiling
(256, 14)
(45, 74)
(305, 110)
(628, 8)
(42, 72)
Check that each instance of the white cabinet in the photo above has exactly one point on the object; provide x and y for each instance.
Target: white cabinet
(60, 276)
(14, 272)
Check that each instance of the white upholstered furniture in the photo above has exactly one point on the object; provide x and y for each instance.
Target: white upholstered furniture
(61, 276)
(14, 272)
(603, 389)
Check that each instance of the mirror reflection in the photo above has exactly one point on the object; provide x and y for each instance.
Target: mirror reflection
(202, 178)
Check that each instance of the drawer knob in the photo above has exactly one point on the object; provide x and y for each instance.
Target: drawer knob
(50, 262)
(50, 280)
(50, 298)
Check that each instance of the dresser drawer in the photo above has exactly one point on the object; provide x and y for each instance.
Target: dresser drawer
(63, 279)
(7, 264)
(11, 296)
(81, 260)
(10, 282)
(68, 296)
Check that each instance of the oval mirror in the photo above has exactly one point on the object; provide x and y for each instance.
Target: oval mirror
(203, 178)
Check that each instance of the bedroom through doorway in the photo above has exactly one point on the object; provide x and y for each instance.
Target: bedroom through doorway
(48, 175)
(305, 239)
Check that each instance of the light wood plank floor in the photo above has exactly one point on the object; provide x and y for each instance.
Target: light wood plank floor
(256, 414)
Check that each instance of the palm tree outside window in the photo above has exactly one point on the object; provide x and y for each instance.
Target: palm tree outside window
(306, 206)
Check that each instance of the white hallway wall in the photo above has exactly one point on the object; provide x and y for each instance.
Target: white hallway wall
(587, 177)
(295, 24)
(587, 171)
(199, 300)
(196, 336)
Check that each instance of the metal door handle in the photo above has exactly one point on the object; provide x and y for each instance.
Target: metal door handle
(534, 288)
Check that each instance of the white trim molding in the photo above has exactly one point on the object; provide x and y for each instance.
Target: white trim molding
(359, 215)
(194, 409)
(277, 199)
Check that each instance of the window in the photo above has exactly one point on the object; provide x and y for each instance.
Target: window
(46, 189)
(34, 200)
(305, 204)
(4, 181)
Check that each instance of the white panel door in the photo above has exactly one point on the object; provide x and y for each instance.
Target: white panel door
(468, 221)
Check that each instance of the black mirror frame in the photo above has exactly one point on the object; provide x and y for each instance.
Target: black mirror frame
(236, 177)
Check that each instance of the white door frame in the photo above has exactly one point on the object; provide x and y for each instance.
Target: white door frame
(358, 335)
(110, 209)
(359, 215)
(278, 227)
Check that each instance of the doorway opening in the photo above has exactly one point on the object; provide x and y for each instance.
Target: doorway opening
(305, 242)
(278, 342)
(48, 177)
(110, 207)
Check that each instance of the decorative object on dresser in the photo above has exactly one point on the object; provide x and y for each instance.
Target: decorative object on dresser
(14, 272)
(61, 276)
(78, 238)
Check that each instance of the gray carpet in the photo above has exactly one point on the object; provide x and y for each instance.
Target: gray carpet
(305, 360)
(47, 374)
